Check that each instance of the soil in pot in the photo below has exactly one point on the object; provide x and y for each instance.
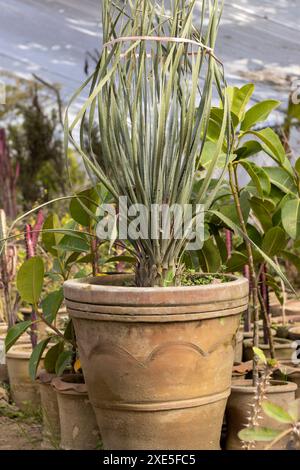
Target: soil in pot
(25, 392)
(283, 349)
(78, 425)
(157, 361)
(239, 405)
(51, 423)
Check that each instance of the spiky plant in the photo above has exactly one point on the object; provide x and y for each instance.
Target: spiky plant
(150, 98)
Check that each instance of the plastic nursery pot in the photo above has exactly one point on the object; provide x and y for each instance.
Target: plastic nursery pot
(283, 349)
(291, 372)
(25, 392)
(51, 423)
(78, 425)
(157, 361)
(239, 406)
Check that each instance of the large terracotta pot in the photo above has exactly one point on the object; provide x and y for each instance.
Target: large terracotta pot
(157, 361)
(239, 406)
(51, 423)
(78, 426)
(25, 392)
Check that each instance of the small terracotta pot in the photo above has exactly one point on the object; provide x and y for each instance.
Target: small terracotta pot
(25, 392)
(239, 405)
(294, 333)
(249, 334)
(283, 349)
(157, 361)
(241, 369)
(78, 425)
(291, 372)
(292, 307)
(51, 423)
(291, 320)
(3, 329)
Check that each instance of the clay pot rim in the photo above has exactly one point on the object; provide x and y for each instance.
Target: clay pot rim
(293, 369)
(45, 377)
(100, 283)
(293, 330)
(279, 343)
(276, 386)
(107, 291)
(68, 388)
(21, 351)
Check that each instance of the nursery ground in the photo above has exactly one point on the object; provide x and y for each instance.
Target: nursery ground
(19, 434)
(18, 430)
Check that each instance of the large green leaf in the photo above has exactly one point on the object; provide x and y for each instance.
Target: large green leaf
(271, 143)
(63, 361)
(258, 113)
(51, 239)
(258, 176)
(280, 178)
(51, 304)
(260, 354)
(290, 215)
(83, 208)
(239, 98)
(276, 412)
(15, 332)
(267, 259)
(30, 280)
(258, 434)
(236, 262)
(229, 210)
(248, 149)
(52, 355)
(274, 241)
(209, 257)
(262, 213)
(36, 357)
(74, 244)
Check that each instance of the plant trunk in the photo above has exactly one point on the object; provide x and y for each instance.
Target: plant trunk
(235, 191)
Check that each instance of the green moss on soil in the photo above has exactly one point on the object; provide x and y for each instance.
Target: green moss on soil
(190, 280)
